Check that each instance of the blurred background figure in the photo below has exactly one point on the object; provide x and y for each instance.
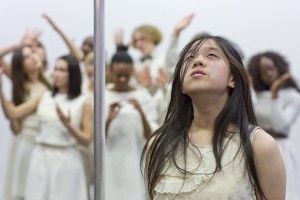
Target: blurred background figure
(130, 121)
(64, 116)
(29, 67)
(277, 108)
(26, 71)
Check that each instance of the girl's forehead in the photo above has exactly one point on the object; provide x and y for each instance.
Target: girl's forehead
(26, 50)
(62, 63)
(207, 44)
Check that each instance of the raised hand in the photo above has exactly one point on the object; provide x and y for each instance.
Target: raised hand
(63, 118)
(119, 37)
(135, 103)
(278, 83)
(1, 72)
(50, 21)
(144, 77)
(113, 110)
(183, 24)
(31, 37)
(162, 78)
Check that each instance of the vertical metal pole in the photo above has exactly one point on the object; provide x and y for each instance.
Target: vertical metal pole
(99, 75)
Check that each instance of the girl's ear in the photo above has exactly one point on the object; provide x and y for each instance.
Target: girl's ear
(231, 82)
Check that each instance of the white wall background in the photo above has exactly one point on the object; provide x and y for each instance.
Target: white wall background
(256, 26)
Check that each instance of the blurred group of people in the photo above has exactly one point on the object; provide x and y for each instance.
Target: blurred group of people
(51, 117)
(151, 110)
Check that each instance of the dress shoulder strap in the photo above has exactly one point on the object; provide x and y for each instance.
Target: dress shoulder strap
(254, 131)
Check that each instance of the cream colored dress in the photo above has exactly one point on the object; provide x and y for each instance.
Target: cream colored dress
(21, 149)
(231, 183)
(87, 153)
(124, 144)
(280, 115)
(56, 170)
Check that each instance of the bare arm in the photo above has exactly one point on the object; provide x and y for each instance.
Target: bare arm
(147, 129)
(269, 166)
(75, 51)
(17, 112)
(182, 24)
(8, 49)
(6, 68)
(3, 52)
(113, 112)
(285, 105)
(84, 134)
(29, 39)
(15, 126)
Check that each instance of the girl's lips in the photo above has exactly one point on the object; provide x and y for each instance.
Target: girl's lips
(198, 72)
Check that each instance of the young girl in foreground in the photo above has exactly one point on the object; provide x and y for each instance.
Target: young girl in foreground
(209, 146)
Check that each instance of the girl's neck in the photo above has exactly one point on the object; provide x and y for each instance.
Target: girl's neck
(33, 77)
(149, 51)
(63, 90)
(206, 110)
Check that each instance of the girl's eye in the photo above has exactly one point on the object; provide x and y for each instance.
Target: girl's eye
(211, 55)
(190, 57)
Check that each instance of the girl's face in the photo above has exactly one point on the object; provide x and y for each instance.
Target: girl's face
(207, 70)
(143, 44)
(120, 74)
(31, 60)
(86, 48)
(61, 74)
(90, 72)
(268, 70)
(40, 51)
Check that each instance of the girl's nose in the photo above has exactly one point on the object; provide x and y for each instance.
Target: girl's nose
(198, 61)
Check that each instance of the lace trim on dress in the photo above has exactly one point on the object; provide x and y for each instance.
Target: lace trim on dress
(176, 185)
(173, 180)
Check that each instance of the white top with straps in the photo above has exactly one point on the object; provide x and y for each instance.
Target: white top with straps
(231, 183)
(53, 131)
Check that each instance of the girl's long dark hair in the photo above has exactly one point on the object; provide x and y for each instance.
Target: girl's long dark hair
(19, 78)
(74, 86)
(172, 137)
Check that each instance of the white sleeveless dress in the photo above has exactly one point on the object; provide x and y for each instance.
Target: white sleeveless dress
(231, 183)
(124, 143)
(56, 171)
(21, 150)
(87, 153)
(279, 115)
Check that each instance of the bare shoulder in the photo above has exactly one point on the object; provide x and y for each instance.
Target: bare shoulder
(87, 109)
(269, 165)
(87, 104)
(151, 141)
(264, 144)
